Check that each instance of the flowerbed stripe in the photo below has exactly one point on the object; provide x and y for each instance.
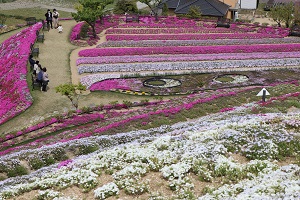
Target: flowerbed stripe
(184, 57)
(190, 50)
(194, 36)
(157, 43)
(186, 66)
(169, 30)
(14, 92)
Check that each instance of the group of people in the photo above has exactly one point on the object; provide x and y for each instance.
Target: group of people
(52, 20)
(40, 73)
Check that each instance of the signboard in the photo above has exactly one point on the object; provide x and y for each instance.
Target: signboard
(260, 94)
(263, 93)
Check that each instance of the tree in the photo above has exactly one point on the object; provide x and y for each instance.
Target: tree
(91, 10)
(165, 10)
(72, 91)
(194, 12)
(283, 13)
(125, 6)
(152, 4)
(297, 13)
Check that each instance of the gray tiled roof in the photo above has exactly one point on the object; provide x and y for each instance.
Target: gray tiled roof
(208, 7)
(170, 3)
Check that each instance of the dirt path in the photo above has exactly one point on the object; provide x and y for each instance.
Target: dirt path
(74, 56)
(54, 55)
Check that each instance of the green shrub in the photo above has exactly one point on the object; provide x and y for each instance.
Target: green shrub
(18, 170)
(36, 163)
(3, 167)
(265, 24)
(194, 12)
(208, 190)
(59, 154)
(49, 161)
(2, 177)
(127, 103)
(165, 10)
(86, 149)
(144, 101)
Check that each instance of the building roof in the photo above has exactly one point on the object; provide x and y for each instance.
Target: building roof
(207, 7)
(171, 4)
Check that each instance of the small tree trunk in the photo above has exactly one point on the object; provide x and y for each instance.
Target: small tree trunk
(92, 25)
(75, 103)
(156, 16)
(94, 31)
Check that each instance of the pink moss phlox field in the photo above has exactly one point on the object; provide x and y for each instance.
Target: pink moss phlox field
(108, 85)
(212, 36)
(173, 109)
(279, 98)
(75, 32)
(14, 92)
(99, 27)
(190, 50)
(167, 108)
(168, 31)
(57, 124)
(195, 57)
(64, 163)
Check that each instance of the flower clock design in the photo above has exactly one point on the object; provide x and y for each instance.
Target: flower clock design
(158, 82)
(231, 78)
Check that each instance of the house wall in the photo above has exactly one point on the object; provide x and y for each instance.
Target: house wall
(248, 4)
(231, 3)
(229, 15)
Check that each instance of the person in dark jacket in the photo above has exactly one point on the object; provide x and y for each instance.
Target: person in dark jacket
(31, 62)
(48, 16)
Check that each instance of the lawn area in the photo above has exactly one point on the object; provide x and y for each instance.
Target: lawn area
(172, 113)
(22, 13)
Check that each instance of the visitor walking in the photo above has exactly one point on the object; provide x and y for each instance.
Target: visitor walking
(55, 16)
(48, 16)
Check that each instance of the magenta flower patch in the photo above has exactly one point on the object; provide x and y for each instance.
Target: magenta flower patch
(14, 92)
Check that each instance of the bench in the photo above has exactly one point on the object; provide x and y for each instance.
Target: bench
(34, 83)
(30, 21)
(223, 23)
(34, 50)
(133, 18)
(44, 25)
(295, 30)
(40, 37)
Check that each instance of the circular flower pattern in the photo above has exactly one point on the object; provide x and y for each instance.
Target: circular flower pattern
(162, 83)
(231, 78)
